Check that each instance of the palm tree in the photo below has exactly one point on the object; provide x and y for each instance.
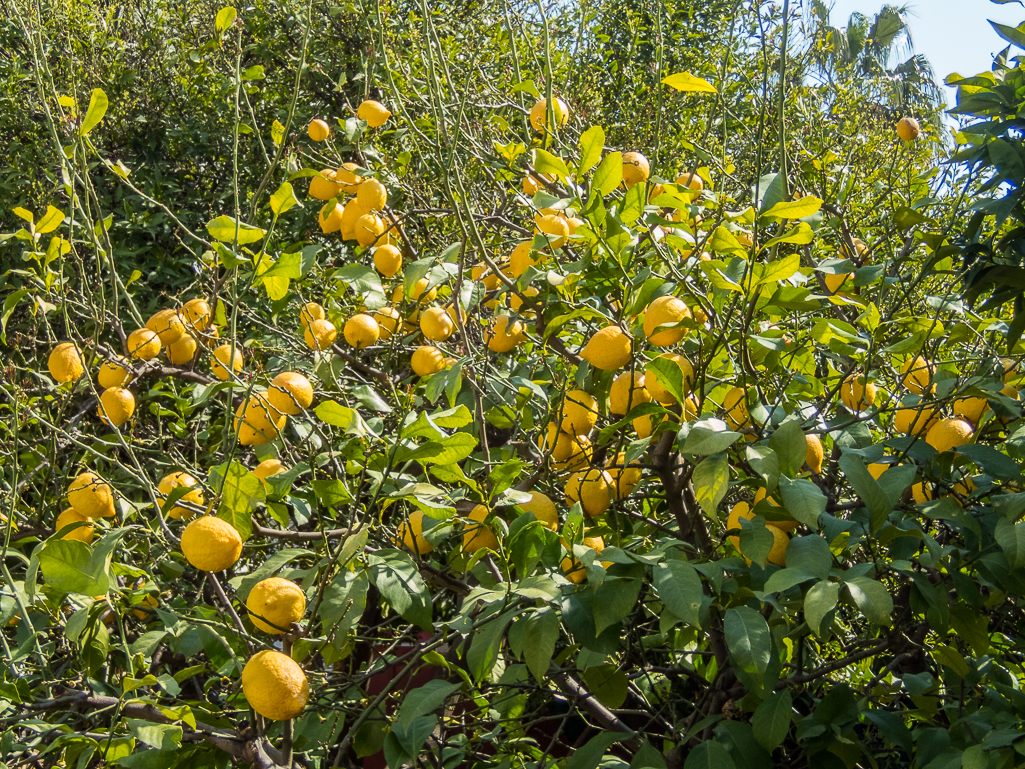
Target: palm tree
(871, 50)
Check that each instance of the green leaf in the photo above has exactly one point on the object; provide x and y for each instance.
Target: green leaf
(798, 209)
(287, 266)
(647, 758)
(789, 442)
(725, 243)
(772, 718)
(707, 436)
(159, 736)
(684, 81)
(803, 500)
(223, 228)
(9, 304)
(608, 175)
(97, 109)
(810, 555)
(486, 645)
(779, 270)
(540, 633)
(425, 700)
(345, 599)
(709, 755)
(445, 451)
(820, 601)
(225, 18)
(241, 493)
(52, 219)
(1013, 35)
(70, 566)
(679, 588)
(756, 540)
(871, 598)
(283, 199)
(1011, 539)
(669, 376)
(399, 580)
(592, 143)
(547, 163)
(591, 754)
(341, 416)
(800, 235)
(711, 480)
(614, 600)
(866, 487)
(784, 579)
(749, 641)
(609, 684)
(765, 462)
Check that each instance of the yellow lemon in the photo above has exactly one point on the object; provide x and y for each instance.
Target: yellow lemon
(555, 228)
(918, 374)
(375, 113)
(834, 282)
(914, 420)
(815, 454)
(368, 228)
(627, 391)
(665, 310)
(971, 408)
(65, 363)
(579, 413)
(91, 496)
(117, 404)
(660, 393)
(609, 349)
(504, 334)
(70, 516)
(320, 334)
(691, 181)
(436, 324)
(411, 534)
(372, 196)
(949, 433)
(116, 372)
(387, 260)
(167, 325)
(574, 569)
(543, 509)
(318, 130)
(193, 497)
(330, 217)
(274, 604)
(268, 467)
(275, 686)
(182, 351)
(539, 114)
(290, 393)
(361, 331)
(257, 422)
(624, 477)
(427, 360)
(522, 257)
(477, 534)
(857, 393)
(324, 185)
(735, 403)
(351, 213)
(387, 321)
(636, 169)
(226, 357)
(143, 344)
(908, 129)
(211, 544)
(196, 314)
(592, 488)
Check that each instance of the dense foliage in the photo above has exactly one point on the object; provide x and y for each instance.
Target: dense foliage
(800, 544)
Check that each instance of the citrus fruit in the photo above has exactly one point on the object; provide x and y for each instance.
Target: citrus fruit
(275, 686)
(372, 196)
(375, 113)
(691, 181)
(387, 260)
(257, 422)
(781, 525)
(913, 420)
(70, 516)
(918, 374)
(320, 334)
(196, 314)
(857, 393)
(971, 408)
(117, 404)
(921, 493)
(387, 321)
(347, 176)
(268, 467)
(949, 433)
(908, 129)
(521, 258)
(115, 372)
(543, 509)
(655, 388)
(410, 534)
(835, 281)
(167, 325)
(91, 496)
(568, 451)
(310, 312)
(624, 477)
(539, 114)
(211, 544)
(368, 228)
(274, 604)
(330, 217)
(515, 302)
(573, 569)
(477, 534)
(226, 356)
(65, 362)
(636, 169)
(361, 331)
(504, 334)
(427, 360)
(182, 351)
(350, 215)
(579, 413)
(143, 344)
(324, 185)
(436, 324)
(194, 497)
(318, 130)
(556, 228)
(814, 454)
(609, 349)
(627, 391)
(735, 403)
(290, 393)
(592, 488)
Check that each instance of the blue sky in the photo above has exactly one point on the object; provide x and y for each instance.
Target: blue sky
(953, 34)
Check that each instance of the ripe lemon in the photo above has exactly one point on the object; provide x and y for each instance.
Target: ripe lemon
(65, 363)
(143, 344)
(627, 391)
(325, 185)
(781, 525)
(918, 374)
(145, 606)
(70, 516)
(609, 349)
(274, 604)
(436, 324)
(921, 492)
(521, 258)
(660, 393)
(908, 129)
(167, 325)
(539, 116)
(318, 130)
(504, 334)
(555, 228)
(410, 534)
(196, 314)
(568, 451)
(387, 260)
(387, 321)
(330, 217)
(320, 334)
(543, 509)
(914, 420)
(592, 488)
(182, 351)
(477, 534)
(368, 228)
(117, 405)
(347, 175)
(91, 496)
(834, 282)
(579, 413)
(350, 215)
(636, 169)
(815, 454)
(645, 425)
(226, 356)
(375, 113)
(656, 190)
(742, 510)
(735, 403)
(310, 312)
(515, 302)
(857, 393)
(427, 360)
(257, 422)
(948, 434)
(211, 544)
(275, 686)
(361, 331)
(194, 497)
(624, 477)
(268, 467)
(290, 393)
(691, 182)
(971, 408)
(572, 568)
(372, 196)
(116, 372)
(210, 336)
